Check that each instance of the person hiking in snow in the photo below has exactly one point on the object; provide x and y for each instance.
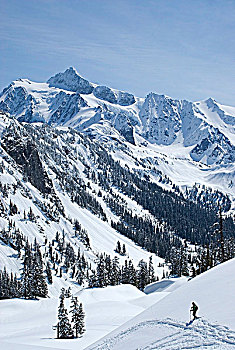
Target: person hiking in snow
(194, 309)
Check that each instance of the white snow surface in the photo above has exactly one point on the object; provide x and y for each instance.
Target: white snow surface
(29, 323)
(165, 325)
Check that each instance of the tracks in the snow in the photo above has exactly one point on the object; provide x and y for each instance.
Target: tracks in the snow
(171, 335)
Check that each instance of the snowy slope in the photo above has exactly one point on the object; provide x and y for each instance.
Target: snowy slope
(29, 323)
(57, 211)
(103, 237)
(164, 324)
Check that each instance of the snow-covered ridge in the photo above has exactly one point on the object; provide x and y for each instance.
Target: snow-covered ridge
(70, 80)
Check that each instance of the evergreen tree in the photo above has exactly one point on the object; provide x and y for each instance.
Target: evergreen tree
(64, 326)
(48, 272)
(101, 272)
(142, 275)
(118, 247)
(27, 278)
(108, 269)
(132, 273)
(81, 317)
(125, 273)
(221, 237)
(123, 252)
(39, 282)
(92, 281)
(115, 276)
(80, 277)
(77, 317)
(151, 272)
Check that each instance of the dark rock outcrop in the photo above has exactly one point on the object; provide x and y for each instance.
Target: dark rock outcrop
(25, 154)
(72, 81)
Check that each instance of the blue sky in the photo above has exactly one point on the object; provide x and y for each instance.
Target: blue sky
(182, 48)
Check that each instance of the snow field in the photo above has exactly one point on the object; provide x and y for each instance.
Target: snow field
(29, 322)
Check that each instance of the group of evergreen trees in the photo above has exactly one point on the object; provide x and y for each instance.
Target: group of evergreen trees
(32, 283)
(109, 272)
(76, 327)
(10, 285)
(120, 249)
(179, 213)
(185, 261)
(33, 279)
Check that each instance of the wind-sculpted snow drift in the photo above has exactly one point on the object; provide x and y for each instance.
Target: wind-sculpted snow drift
(171, 335)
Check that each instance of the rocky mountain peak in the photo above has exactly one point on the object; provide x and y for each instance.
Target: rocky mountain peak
(72, 81)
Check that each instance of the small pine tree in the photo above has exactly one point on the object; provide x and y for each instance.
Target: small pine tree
(151, 272)
(132, 273)
(118, 247)
(48, 272)
(64, 326)
(123, 250)
(142, 275)
(75, 316)
(81, 323)
(125, 273)
(101, 272)
(27, 275)
(115, 276)
(92, 280)
(39, 281)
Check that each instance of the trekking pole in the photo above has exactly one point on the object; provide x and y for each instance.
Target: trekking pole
(190, 315)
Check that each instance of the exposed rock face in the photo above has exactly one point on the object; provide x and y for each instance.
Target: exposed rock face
(117, 97)
(65, 106)
(25, 154)
(18, 101)
(216, 147)
(214, 107)
(105, 93)
(125, 99)
(160, 119)
(128, 133)
(123, 125)
(72, 81)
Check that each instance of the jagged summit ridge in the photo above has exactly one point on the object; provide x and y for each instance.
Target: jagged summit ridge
(71, 80)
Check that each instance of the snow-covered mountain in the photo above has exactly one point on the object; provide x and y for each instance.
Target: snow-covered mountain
(84, 166)
(68, 99)
(160, 132)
